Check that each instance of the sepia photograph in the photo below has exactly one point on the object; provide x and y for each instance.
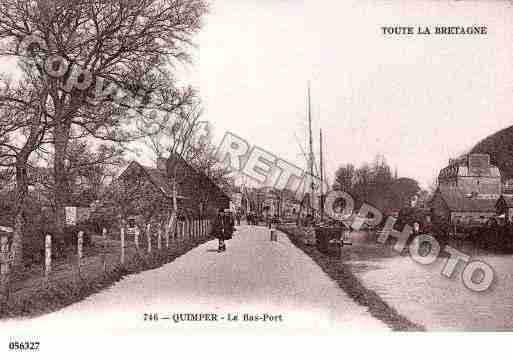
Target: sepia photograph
(256, 177)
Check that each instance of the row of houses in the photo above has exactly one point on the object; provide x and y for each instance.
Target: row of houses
(470, 189)
(265, 201)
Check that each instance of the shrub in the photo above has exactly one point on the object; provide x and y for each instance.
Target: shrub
(34, 240)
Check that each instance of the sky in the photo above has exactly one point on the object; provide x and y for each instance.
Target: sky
(417, 100)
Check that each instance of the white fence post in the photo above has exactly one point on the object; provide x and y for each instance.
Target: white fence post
(148, 236)
(122, 234)
(136, 239)
(104, 249)
(4, 269)
(80, 244)
(48, 257)
(167, 232)
(159, 238)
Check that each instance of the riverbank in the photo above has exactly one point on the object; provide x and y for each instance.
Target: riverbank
(59, 294)
(343, 274)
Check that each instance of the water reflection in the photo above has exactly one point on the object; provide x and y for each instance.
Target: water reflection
(426, 297)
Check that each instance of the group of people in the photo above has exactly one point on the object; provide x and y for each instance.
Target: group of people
(224, 225)
(252, 218)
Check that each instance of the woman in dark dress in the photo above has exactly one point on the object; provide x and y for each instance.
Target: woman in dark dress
(223, 228)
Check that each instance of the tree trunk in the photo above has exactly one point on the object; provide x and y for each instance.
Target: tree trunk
(60, 188)
(19, 207)
(22, 191)
(175, 202)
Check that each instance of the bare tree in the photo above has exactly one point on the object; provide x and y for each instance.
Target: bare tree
(23, 130)
(99, 61)
(181, 139)
(89, 170)
(344, 178)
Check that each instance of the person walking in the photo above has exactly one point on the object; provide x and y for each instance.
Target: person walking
(230, 223)
(218, 230)
(223, 228)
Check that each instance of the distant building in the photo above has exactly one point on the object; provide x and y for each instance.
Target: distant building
(468, 190)
(269, 201)
(472, 174)
(507, 186)
(5, 231)
(455, 207)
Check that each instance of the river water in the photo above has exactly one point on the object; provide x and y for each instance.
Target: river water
(424, 296)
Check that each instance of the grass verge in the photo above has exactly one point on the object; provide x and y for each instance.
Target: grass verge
(57, 296)
(342, 273)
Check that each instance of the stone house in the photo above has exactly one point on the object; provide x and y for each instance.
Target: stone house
(471, 173)
(455, 207)
(468, 190)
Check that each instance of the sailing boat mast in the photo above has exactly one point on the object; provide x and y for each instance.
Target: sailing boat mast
(321, 204)
(310, 153)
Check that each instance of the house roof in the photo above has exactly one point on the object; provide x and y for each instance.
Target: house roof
(473, 165)
(174, 157)
(160, 179)
(457, 201)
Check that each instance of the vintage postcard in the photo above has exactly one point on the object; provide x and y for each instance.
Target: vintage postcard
(227, 177)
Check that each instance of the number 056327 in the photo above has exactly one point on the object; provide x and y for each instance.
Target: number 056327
(19, 346)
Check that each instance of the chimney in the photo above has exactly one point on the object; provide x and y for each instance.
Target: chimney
(162, 163)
